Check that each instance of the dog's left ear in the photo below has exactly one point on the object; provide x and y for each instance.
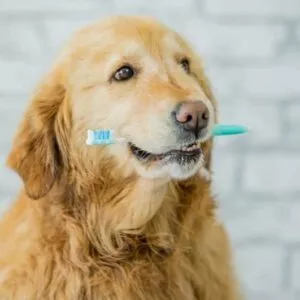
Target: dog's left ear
(39, 151)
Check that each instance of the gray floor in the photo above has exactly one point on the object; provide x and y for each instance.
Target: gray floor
(252, 54)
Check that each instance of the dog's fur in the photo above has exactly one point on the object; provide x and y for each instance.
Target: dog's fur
(92, 222)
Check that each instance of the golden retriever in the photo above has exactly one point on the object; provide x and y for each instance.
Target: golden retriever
(134, 220)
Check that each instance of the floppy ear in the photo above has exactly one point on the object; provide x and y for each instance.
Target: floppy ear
(39, 151)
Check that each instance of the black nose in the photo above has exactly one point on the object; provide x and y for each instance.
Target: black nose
(192, 116)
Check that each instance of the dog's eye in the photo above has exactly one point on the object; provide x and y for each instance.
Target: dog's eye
(185, 65)
(124, 73)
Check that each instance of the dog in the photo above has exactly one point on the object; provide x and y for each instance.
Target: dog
(129, 221)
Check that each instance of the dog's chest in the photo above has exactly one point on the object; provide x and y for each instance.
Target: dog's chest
(148, 281)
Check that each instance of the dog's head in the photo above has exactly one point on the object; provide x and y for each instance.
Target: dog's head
(129, 74)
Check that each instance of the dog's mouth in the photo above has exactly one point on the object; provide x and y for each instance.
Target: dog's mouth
(184, 154)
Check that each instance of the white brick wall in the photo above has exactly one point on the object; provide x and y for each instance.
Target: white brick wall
(163, 4)
(263, 119)
(11, 110)
(59, 31)
(48, 6)
(261, 266)
(251, 50)
(18, 77)
(259, 81)
(296, 270)
(272, 172)
(265, 8)
(20, 41)
(263, 221)
(293, 125)
(221, 39)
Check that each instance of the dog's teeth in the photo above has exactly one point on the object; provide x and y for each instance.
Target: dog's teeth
(189, 148)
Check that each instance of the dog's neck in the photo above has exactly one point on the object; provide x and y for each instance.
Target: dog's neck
(128, 217)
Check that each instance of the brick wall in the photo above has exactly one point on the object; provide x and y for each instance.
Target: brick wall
(252, 55)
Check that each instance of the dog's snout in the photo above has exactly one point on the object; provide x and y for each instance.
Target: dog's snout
(192, 116)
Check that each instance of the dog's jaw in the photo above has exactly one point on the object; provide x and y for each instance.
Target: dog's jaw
(168, 171)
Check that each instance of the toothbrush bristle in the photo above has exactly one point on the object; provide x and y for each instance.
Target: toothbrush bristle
(103, 137)
(103, 134)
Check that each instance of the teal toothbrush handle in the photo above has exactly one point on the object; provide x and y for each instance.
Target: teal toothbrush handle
(220, 129)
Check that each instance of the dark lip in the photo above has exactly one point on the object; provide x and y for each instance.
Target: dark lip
(171, 155)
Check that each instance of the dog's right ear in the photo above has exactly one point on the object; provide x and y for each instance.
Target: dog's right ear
(40, 147)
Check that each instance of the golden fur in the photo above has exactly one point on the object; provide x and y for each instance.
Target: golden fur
(102, 227)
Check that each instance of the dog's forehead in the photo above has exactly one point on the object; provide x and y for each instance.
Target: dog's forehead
(152, 38)
(135, 33)
(171, 42)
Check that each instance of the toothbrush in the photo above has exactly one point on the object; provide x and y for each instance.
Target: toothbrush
(103, 137)
(221, 129)
(107, 136)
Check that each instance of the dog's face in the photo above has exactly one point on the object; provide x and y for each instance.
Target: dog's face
(129, 74)
(142, 80)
